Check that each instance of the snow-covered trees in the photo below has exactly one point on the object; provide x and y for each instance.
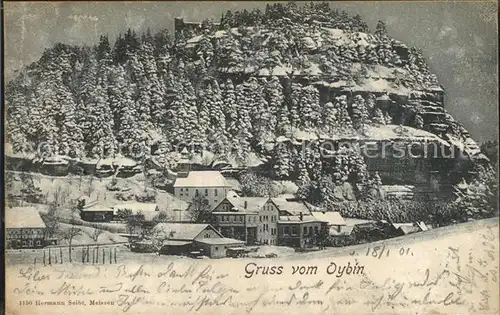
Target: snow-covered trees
(378, 117)
(344, 120)
(306, 110)
(418, 122)
(381, 31)
(230, 109)
(274, 97)
(237, 85)
(330, 117)
(359, 113)
(212, 119)
(98, 125)
(282, 159)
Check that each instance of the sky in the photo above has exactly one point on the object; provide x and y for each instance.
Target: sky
(459, 40)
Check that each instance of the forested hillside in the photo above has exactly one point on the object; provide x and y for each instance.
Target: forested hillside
(234, 85)
(236, 90)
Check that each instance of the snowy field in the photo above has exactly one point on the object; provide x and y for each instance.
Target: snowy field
(124, 255)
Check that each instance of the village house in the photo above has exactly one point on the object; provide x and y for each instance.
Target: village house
(269, 221)
(297, 226)
(184, 238)
(251, 219)
(24, 228)
(300, 231)
(334, 220)
(209, 184)
(96, 212)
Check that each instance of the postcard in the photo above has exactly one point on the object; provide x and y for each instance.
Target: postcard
(251, 158)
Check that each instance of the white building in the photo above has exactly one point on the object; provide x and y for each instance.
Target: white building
(209, 184)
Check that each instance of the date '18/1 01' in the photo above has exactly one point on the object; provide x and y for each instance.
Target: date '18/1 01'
(382, 251)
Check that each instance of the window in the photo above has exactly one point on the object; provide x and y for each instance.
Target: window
(310, 230)
(216, 248)
(197, 192)
(287, 230)
(181, 192)
(215, 192)
(294, 230)
(315, 230)
(305, 230)
(241, 218)
(260, 218)
(207, 235)
(206, 192)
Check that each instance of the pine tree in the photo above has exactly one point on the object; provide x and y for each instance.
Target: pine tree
(388, 119)
(275, 99)
(344, 120)
(418, 122)
(359, 113)
(378, 117)
(282, 160)
(183, 122)
(230, 109)
(330, 116)
(295, 99)
(371, 56)
(381, 31)
(371, 102)
(241, 146)
(310, 109)
(98, 125)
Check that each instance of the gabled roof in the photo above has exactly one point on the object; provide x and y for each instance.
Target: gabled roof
(244, 204)
(202, 179)
(96, 207)
(333, 218)
(23, 217)
(184, 231)
(292, 207)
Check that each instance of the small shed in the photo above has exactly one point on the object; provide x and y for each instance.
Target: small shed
(174, 247)
(96, 213)
(217, 247)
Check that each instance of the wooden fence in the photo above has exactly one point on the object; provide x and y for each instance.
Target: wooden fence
(88, 254)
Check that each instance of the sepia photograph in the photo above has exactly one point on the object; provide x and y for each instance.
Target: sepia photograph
(225, 157)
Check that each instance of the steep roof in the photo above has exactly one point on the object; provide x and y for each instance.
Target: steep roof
(333, 218)
(251, 203)
(293, 207)
(202, 179)
(244, 204)
(184, 231)
(23, 217)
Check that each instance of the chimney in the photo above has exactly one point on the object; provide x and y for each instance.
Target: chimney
(245, 204)
(301, 216)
